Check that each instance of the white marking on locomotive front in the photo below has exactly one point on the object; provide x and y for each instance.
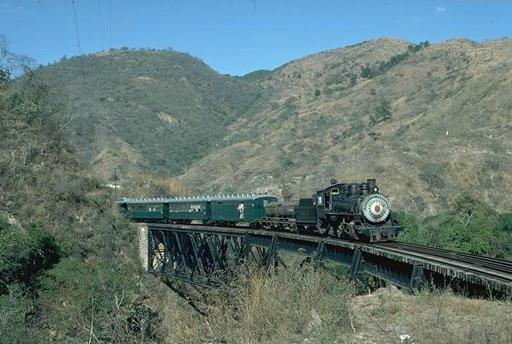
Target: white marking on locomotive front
(375, 208)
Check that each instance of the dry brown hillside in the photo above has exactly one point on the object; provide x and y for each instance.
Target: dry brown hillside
(429, 122)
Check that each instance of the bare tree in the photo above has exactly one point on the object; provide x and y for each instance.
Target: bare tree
(13, 65)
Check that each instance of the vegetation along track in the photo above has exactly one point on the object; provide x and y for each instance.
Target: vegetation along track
(494, 266)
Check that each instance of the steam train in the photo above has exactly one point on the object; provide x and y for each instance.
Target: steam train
(354, 211)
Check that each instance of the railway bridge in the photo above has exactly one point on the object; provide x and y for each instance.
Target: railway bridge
(203, 255)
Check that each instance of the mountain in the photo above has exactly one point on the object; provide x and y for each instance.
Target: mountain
(430, 122)
(146, 110)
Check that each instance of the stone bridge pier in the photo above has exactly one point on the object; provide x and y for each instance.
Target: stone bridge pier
(142, 230)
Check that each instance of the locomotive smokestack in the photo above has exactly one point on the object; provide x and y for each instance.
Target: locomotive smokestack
(333, 181)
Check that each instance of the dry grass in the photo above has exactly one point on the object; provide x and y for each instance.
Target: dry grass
(290, 307)
(307, 307)
(436, 318)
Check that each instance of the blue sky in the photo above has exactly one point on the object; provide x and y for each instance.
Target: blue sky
(236, 37)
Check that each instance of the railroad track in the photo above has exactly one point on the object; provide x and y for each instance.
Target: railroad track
(493, 266)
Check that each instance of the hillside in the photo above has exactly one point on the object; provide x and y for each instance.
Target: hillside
(430, 122)
(146, 110)
(65, 253)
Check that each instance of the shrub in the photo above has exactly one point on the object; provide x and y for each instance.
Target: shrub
(288, 163)
(469, 226)
(431, 174)
(25, 254)
(16, 309)
(369, 73)
(227, 189)
(335, 79)
(5, 77)
(505, 222)
(381, 113)
(82, 300)
(352, 80)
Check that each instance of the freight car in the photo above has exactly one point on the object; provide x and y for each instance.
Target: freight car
(354, 211)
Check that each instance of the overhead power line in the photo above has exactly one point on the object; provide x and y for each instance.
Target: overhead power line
(110, 22)
(76, 28)
(78, 41)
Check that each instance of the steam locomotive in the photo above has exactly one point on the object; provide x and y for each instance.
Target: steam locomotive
(354, 211)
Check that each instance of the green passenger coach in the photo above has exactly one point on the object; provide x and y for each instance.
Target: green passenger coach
(147, 209)
(230, 209)
(247, 208)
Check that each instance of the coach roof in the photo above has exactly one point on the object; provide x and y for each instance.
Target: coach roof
(239, 197)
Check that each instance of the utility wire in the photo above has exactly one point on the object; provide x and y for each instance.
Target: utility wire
(78, 41)
(110, 22)
(76, 28)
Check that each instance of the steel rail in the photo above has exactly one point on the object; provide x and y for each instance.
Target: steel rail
(477, 260)
(487, 270)
(446, 251)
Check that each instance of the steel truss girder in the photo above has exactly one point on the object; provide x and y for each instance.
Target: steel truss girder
(203, 255)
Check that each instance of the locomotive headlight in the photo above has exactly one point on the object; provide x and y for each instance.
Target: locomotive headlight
(375, 208)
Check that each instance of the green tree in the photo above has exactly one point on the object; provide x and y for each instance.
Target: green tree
(469, 226)
(367, 72)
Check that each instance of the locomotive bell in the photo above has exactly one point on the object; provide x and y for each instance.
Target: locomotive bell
(333, 181)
